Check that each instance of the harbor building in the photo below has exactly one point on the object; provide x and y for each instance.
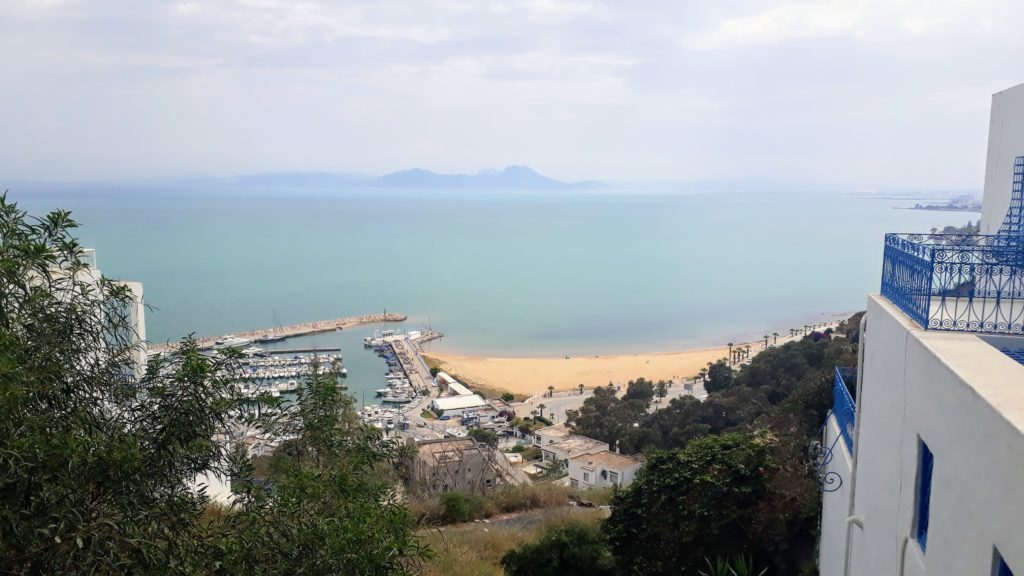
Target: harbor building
(922, 454)
(602, 469)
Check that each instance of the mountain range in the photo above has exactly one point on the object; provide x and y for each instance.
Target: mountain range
(510, 178)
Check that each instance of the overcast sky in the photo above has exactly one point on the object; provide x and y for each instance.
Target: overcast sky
(858, 94)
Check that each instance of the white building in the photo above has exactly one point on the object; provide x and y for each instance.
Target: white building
(457, 405)
(928, 480)
(602, 469)
(570, 447)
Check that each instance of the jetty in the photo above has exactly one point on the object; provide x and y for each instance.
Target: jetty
(292, 330)
(411, 359)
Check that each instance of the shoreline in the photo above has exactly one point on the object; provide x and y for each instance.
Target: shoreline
(533, 375)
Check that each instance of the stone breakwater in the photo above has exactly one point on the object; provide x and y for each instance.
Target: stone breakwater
(294, 330)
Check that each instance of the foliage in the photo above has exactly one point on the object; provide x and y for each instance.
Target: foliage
(508, 397)
(569, 550)
(483, 436)
(605, 417)
(98, 457)
(661, 390)
(95, 464)
(736, 566)
(639, 389)
(462, 507)
(720, 377)
(702, 496)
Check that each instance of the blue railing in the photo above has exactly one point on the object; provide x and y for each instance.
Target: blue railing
(965, 283)
(844, 409)
(962, 282)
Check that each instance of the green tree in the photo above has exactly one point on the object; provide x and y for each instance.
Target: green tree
(720, 377)
(581, 389)
(508, 397)
(692, 503)
(551, 391)
(488, 437)
(95, 463)
(640, 389)
(98, 455)
(574, 549)
(661, 390)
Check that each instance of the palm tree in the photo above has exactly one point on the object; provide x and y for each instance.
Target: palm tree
(581, 389)
(551, 391)
(775, 338)
(765, 341)
(540, 409)
(730, 349)
(703, 375)
(748, 351)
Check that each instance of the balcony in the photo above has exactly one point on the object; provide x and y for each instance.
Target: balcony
(844, 409)
(959, 282)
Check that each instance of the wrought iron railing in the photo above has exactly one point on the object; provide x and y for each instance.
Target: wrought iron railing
(962, 282)
(844, 409)
(965, 283)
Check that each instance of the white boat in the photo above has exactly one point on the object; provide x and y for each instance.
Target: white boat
(396, 399)
(269, 338)
(254, 351)
(231, 341)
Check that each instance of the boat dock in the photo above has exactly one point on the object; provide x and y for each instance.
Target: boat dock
(409, 357)
(293, 330)
(303, 350)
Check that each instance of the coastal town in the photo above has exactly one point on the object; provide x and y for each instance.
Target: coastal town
(463, 440)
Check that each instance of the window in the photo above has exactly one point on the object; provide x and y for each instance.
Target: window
(613, 477)
(999, 566)
(924, 493)
(586, 476)
(574, 483)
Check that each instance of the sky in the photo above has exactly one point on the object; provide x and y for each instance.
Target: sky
(859, 94)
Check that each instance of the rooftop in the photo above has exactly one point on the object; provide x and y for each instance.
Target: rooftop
(440, 446)
(576, 445)
(555, 431)
(606, 459)
(459, 402)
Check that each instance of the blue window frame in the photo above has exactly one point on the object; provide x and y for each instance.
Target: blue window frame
(1000, 567)
(925, 462)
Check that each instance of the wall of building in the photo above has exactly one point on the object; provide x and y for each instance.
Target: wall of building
(965, 399)
(835, 504)
(576, 470)
(1005, 142)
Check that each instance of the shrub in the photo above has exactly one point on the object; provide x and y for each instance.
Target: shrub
(462, 507)
(572, 549)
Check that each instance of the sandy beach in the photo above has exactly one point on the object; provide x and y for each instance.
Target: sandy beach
(534, 375)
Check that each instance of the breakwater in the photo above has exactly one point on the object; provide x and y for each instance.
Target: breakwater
(292, 330)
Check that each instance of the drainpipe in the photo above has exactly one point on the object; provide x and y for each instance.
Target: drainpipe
(852, 520)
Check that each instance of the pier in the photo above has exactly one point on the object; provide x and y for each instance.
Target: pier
(408, 353)
(293, 330)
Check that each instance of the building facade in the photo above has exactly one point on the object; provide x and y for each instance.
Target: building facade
(453, 465)
(921, 465)
(602, 469)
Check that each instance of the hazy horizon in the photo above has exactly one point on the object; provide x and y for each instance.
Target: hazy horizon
(862, 94)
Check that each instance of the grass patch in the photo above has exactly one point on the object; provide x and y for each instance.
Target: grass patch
(477, 549)
(427, 415)
(455, 507)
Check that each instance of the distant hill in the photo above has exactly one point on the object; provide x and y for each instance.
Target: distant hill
(511, 178)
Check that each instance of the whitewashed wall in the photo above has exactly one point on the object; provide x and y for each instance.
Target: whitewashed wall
(1005, 142)
(966, 400)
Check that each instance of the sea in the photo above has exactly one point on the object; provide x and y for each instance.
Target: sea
(517, 273)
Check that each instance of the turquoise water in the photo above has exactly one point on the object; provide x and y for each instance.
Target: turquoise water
(500, 273)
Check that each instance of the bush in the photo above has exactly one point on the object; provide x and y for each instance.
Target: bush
(572, 549)
(462, 507)
(518, 448)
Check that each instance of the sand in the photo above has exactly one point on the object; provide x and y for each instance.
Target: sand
(534, 375)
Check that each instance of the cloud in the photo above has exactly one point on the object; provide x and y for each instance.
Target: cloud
(826, 91)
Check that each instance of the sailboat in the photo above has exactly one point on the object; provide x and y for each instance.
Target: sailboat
(275, 335)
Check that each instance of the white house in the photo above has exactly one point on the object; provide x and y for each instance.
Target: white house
(602, 469)
(923, 474)
(551, 434)
(570, 447)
